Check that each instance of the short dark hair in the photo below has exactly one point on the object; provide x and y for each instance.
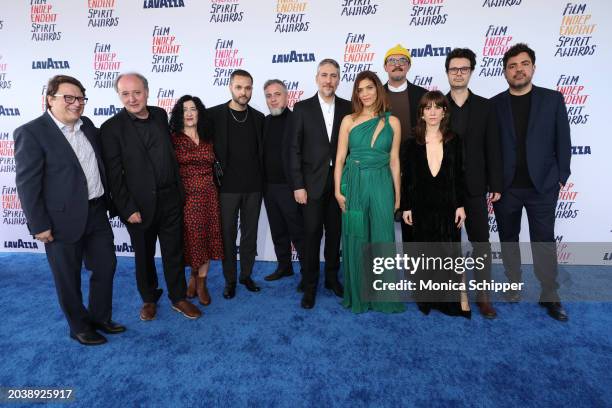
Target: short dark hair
(461, 53)
(56, 81)
(515, 50)
(242, 73)
(275, 81)
(177, 122)
(142, 78)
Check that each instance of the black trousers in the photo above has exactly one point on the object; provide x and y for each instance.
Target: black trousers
(286, 223)
(540, 209)
(167, 225)
(97, 250)
(244, 207)
(477, 228)
(319, 213)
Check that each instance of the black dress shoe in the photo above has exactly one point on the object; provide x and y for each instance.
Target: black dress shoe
(89, 338)
(335, 287)
(308, 300)
(250, 285)
(229, 291)
(278, 274)
(109, 327)
(555, 310)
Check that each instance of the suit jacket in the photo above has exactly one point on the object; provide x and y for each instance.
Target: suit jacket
(310, 150)
(548, 139)
(130, 172)
(219, 116)
(285, 142)
(415, 93)
(481, 146)
(50, 181)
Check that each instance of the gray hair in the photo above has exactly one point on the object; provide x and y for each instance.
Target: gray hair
(275, 81)
(137, 75)
(329, 61)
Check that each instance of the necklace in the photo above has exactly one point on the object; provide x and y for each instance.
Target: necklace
(239, 121)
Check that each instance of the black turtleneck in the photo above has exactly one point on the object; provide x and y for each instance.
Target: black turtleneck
(273, 143)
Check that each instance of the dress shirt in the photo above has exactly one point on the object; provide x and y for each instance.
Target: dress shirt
(85, 154)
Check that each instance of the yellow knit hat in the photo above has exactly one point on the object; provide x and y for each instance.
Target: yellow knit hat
(398, 50)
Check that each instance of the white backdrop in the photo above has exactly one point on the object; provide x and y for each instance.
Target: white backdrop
(189, 46)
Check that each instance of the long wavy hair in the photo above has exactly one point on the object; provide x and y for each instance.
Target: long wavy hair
(176, 117)
(381, 105)
(438, 99)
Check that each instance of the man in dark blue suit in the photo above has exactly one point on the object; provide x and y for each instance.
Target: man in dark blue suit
(536, 150)
(62, 187)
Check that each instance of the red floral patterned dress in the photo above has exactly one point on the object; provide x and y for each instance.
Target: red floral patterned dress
(202, 217)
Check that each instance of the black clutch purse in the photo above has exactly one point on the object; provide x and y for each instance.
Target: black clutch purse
(397, 215)
(217, 173)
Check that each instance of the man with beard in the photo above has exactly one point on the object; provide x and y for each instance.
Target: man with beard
(536, 151)
(403, 98)
(237, 136)
(284, 214)
(473, 119)
(312, 153)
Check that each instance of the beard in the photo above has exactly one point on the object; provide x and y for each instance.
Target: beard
(241, 100)
(276, 111)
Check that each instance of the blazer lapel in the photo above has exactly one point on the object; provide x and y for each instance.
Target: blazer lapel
(318, 112)
(336, 125)
(535, 104)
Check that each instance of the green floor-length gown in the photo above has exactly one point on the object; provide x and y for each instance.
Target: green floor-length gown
(367, 185)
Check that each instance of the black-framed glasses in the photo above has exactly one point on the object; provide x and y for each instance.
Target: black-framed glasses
(456, 70)
(71, 98)
(398, 61)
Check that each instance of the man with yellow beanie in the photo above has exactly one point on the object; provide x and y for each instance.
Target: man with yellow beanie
(404, 100)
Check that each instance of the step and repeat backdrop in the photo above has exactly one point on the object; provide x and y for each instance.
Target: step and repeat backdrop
(192, 46)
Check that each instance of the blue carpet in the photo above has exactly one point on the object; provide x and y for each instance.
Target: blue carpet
(262, 349)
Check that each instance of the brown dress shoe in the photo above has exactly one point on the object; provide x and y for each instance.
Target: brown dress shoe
(191, 286)
(187, 309)
(203, 295)
(485, 306)
(148, 311)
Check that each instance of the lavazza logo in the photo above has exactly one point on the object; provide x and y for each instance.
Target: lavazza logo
(158, 4)
(50, 63)
(293, 56)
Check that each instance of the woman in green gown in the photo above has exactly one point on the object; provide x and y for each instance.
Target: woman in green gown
(367, 186)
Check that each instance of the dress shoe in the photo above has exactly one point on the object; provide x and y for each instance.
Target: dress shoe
(191, 286)
(250, 285)
(277, 274)
(308, 300)
(109, 327)
(513, 296)
(335, 287)
(148, 311)
(300, 287)
(203, 295)
(89, 338)
(484, 305)
(229, 291)
(187, 309)
(555, 310)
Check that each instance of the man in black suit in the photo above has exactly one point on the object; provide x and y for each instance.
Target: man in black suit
(472, 117)
(62, 187)
(147, 191)
(237, 135)
(312, 153)
(284, 214)
(403, 98)
(536, 149)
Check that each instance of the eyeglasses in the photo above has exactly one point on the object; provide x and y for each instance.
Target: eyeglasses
(456, 70)
(71, 98)
(398, 61)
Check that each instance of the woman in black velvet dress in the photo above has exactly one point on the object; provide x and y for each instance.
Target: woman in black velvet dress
(432, 197)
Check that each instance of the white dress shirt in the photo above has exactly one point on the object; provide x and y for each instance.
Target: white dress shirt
(85, 154)
(328, 114)
(400, 88)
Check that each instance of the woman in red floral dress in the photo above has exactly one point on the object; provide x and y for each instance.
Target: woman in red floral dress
(202, 225)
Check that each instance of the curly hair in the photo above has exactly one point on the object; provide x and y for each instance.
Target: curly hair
(176, 117)
(438, 99)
